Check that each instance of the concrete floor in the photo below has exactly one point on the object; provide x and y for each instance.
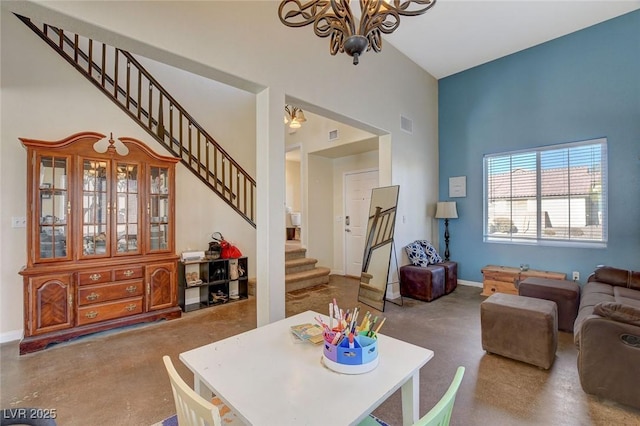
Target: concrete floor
(117, 377)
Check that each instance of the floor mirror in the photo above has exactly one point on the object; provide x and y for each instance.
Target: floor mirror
(378, 246)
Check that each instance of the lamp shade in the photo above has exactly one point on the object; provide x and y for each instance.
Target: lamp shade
(299, 115)
(446, 210)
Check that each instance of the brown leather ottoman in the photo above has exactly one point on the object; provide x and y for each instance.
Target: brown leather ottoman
(450, 276)
(566, 294)
(422, 282)
(520, 328)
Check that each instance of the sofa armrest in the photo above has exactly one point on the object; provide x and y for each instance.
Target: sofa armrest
(616, 276)
(611, 275)
(609, 353)
(618, 312)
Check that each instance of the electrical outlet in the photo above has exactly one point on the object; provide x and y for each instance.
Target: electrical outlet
(18, 222)
(576, 275)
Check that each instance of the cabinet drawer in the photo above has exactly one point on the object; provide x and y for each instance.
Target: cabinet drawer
(109, 310)
(113, 291)
(129, 273)
(94, 277)
(492, 286)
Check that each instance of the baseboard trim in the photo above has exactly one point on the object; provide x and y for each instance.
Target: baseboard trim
(337, 272)
(470, 283)
(391, 294)
(10, 336)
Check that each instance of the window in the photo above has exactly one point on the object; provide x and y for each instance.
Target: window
(552, 195)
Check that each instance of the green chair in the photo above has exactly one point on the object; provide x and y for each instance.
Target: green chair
(440, 414)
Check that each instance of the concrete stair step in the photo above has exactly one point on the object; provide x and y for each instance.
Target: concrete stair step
(300, 280)
(251, 286)
(300, 271)
(294, 253)
(299, 265)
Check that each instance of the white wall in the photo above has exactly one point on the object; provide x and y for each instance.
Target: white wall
(320, 210)
(211, 39)
(43, 97)
(293, 198)
(225, 112)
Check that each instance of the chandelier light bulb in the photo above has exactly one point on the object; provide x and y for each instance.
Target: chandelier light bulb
(295, 124)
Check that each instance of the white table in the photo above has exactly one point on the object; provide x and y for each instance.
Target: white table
(267, 378)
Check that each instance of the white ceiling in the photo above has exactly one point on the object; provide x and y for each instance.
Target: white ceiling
(456, 35)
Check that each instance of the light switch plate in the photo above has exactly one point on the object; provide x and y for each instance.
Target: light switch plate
(18, 222)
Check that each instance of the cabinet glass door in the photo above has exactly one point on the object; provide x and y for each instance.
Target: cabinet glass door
(159, 209)
(127, 205)
(96, 208)
(53, 207)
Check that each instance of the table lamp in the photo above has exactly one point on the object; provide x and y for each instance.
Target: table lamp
(446, 210)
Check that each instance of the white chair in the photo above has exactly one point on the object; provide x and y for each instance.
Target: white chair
(440, 414)
(191, 408)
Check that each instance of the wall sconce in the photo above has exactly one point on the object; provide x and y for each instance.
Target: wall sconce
(294, 116)
(446, 210)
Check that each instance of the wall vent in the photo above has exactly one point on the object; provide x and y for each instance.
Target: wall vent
(406, 124)
(333, 135)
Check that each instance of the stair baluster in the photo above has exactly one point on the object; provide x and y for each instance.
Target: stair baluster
(73, 52)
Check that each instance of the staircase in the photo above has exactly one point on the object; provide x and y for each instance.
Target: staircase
(301, 271)
(129, 85)
(118, 75)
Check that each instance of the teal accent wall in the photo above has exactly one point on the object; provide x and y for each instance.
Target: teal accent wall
(581, 86)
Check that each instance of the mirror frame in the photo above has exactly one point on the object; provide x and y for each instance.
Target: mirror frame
(379, 243)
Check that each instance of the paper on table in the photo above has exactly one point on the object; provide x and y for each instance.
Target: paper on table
(308, 332)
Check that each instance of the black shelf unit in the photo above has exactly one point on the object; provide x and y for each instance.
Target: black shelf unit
(212, 282)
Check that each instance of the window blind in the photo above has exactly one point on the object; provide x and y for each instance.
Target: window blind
(552, 194)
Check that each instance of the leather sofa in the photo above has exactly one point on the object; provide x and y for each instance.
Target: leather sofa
(607, 335)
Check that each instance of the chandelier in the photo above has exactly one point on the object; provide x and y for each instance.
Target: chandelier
(294, 116)
(334, 18)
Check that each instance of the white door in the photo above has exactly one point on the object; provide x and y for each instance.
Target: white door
(357, 190)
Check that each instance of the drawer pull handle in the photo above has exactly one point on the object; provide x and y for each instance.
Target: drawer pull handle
(131, 289)
(131, 307)
(95, 277)
(91, 314)
(93, 296)
(128, 273)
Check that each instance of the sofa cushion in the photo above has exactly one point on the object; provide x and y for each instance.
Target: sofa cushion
(430, 251)
(416, 254)
(592, 293)
(627, 296)
(597, 287)
(592, 299)
(618, 312)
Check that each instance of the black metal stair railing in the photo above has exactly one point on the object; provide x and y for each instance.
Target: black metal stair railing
(127, 83)
(380, 232)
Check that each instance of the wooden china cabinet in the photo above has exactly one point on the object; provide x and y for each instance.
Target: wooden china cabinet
(101, 237)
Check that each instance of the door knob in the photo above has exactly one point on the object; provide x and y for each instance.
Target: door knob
(347, 230)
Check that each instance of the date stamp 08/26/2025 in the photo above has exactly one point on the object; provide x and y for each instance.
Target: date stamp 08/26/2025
(29, 413)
